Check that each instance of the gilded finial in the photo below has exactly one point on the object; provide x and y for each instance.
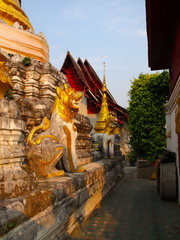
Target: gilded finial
(104, 89)
(104, 77)
(104, 112)
(107, 120)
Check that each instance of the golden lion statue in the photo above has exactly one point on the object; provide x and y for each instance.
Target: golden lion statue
(58, 137)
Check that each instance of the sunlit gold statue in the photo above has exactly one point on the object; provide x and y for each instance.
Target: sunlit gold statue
(5, 80)
(44, 152)
(11, 12)
(58, 137)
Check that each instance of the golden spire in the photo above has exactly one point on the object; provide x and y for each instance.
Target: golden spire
(104, 112)
(104, 88)
(11, 12)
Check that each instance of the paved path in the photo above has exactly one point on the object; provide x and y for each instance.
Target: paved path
(133, 211)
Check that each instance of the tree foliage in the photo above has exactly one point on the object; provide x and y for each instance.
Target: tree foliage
(148, 94)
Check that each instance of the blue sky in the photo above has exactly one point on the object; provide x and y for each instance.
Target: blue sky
(113, 31)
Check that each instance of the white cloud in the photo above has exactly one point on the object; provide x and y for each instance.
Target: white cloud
(75, 13)
(125, 26)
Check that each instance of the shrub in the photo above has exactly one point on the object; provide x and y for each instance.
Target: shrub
(26, 61)
(148, 94)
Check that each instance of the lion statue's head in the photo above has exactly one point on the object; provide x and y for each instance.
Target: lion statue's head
(66, 102)
(112, 123)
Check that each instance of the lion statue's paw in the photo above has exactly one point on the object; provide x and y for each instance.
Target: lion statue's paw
(80, 169)
(56, 174)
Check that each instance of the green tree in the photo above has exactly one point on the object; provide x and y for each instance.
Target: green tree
(147, 96)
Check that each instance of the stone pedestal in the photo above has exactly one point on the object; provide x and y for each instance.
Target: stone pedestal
(168, 181)
(14, 180)
(59, 205)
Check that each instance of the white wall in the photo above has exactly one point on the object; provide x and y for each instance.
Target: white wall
(172, 137)
(83, 105)
(93, 119)
(83, 110)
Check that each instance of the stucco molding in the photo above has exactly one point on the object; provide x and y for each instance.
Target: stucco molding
(14, 40)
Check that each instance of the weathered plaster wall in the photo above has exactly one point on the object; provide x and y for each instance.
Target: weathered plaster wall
(34, 88)
(83, 105)
(14, 180)
(172, 137)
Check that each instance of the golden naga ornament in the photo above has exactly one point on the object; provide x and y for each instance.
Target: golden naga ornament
(11, 12)
(44, 165)
(5, 80)
(45, 125)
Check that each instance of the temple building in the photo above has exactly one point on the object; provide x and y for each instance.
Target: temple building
(163, 31)
(82, 77)
(44, 138)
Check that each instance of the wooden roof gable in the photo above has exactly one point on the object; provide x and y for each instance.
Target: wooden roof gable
(82, 77)
(76, 78)
(74, 74)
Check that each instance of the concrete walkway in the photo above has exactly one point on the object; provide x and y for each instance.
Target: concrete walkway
(132, 211)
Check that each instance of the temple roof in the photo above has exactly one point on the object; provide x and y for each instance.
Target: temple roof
(82, 77)
(76, 77)
(161, 16)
